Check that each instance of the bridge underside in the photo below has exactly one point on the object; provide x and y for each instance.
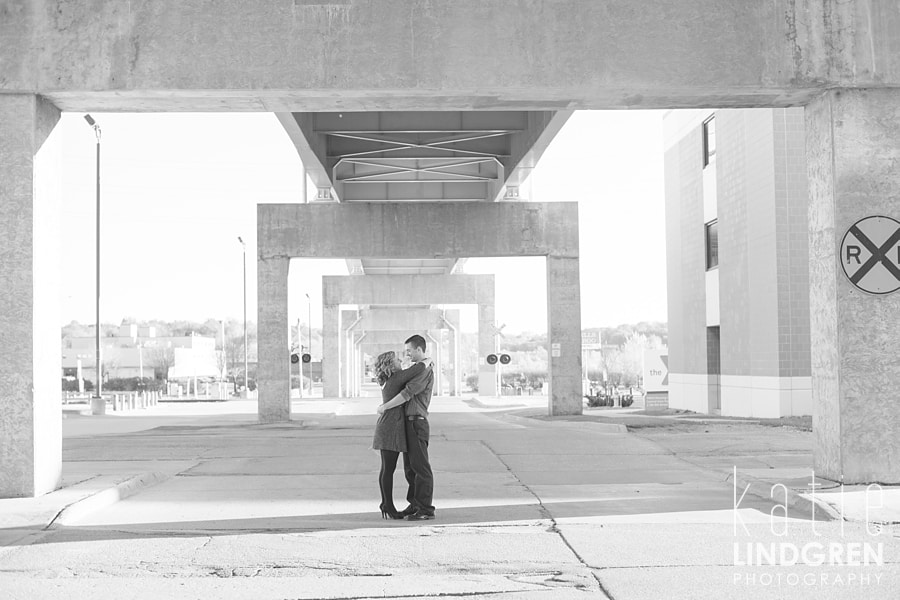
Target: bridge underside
(840, 59)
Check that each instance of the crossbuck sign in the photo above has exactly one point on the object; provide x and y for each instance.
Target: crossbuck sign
(870, 255)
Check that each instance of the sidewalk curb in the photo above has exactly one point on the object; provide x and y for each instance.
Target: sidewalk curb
(535, 417)
(106, 497)
(795, 501)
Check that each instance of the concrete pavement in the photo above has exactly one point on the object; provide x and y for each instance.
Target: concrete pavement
(527, 508)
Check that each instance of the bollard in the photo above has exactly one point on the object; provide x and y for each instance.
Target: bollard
(115, 402)
(98, 406)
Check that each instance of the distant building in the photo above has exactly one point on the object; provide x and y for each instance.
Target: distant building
(738, 282)
(136, 352)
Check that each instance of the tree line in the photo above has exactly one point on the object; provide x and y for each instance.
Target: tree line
(620, 358)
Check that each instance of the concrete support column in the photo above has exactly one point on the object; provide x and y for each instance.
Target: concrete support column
(331, 351)
(851, 145)
(360, 370)
(273, 366)
(348, 338)
(453, 349)
(356, 371)
(434, 338)
(30, 363)
(346, 364)
(487, 374)
(564, 335)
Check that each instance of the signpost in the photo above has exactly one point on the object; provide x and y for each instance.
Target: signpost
(590, 341)
(870, 255)
(656, 370)
(656, 378)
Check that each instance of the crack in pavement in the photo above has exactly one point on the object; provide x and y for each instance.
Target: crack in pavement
(435, 595)
(554, 527)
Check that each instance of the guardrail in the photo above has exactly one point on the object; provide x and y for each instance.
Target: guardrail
(119, 401)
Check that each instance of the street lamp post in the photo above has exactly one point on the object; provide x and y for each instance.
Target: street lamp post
(246, 369)
(99, 387)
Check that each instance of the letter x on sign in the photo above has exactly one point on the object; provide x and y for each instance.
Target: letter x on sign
(870, 255)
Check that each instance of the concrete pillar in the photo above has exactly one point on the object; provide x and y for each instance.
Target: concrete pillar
(347, 365)
(564, 335)
(360, 370)
(453, 348)
(273, 366)
(350, 363)
(331, 351)
(30, 363)
(434, 345)
(357, 367)
(439, 374)
(851, 145)
(487, 374)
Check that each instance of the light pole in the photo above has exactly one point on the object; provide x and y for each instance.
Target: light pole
(99, 387)
(246, 370)
(308, 341)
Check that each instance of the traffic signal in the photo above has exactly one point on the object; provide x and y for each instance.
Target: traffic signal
(306, 357)
(505, 359)
(295, 358)
(492, 359)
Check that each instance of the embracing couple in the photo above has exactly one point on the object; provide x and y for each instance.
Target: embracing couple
(403, 427)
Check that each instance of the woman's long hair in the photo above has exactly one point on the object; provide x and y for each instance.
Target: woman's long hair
(384, 366)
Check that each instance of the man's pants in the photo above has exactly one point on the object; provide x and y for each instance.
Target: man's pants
(417, 467)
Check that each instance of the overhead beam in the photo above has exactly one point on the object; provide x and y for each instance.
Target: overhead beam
(412, 230)
(465, 54)
(404, 319)
(529, 145)
(403, 289)
(310, 147)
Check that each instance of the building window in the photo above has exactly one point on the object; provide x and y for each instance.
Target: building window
(709, 141)
(712, 244)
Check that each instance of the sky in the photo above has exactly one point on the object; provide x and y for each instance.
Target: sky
(177, 189)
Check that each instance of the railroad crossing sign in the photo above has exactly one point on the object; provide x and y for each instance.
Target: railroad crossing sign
(870, 255)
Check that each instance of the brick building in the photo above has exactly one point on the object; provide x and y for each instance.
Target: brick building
(737, 252)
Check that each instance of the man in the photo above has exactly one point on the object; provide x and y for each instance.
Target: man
(415, 462)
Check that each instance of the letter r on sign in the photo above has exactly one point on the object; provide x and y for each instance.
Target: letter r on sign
(853, 252)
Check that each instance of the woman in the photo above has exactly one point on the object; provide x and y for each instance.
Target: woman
(390, 431)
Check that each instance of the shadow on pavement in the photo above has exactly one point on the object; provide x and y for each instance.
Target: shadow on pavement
(509, 515)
